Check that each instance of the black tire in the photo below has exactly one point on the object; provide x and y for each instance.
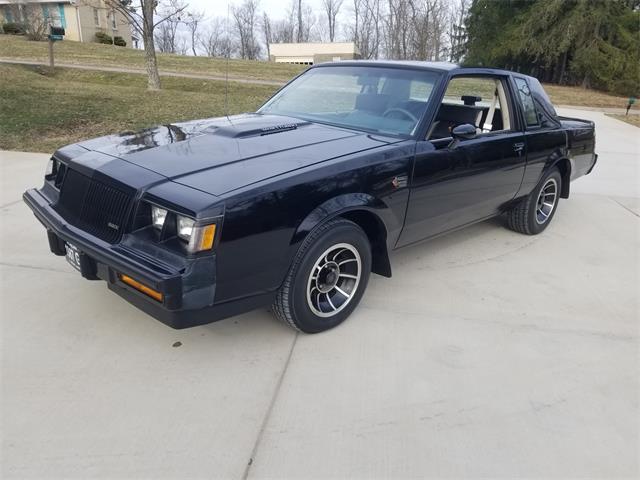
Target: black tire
(348, 248)
(531, 217)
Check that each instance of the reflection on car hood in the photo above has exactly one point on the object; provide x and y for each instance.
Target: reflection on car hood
(223, 154)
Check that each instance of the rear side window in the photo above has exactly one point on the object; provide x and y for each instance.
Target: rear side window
(530, 114)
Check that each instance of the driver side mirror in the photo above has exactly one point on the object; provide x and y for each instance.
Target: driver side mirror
(466, 131)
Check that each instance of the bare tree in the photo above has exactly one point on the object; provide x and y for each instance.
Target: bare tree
(165, 36)
(397, 29)
(282, 31)
(144, 17)
(457, 32)
(193, 21)
(266, 30)
(332, 8)
(300, 28)
(215, 40)
(366, 30)
(34, 23)
(246, 21)
(416, 29)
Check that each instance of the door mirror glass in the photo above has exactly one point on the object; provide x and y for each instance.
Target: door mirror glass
(466, 131)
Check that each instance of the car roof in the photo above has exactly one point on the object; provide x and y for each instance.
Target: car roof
(447, 67)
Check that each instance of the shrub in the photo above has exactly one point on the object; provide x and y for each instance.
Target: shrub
(102, 37)
(105, 38)
(13, 28)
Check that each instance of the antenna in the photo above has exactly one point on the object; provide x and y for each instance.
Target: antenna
(226, 73)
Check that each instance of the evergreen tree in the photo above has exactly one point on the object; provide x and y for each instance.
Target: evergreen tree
(593, 43)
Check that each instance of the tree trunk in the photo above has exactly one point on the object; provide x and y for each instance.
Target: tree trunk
(563, 68)
(153, 82)
(299, 21)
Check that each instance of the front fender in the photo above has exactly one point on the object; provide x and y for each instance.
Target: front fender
(342, 204)
(372, 214)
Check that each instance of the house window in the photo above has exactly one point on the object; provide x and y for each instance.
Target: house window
(96, 16)
(114, 25)
(8, 15)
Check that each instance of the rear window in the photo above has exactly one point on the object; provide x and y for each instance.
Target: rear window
(526, 99)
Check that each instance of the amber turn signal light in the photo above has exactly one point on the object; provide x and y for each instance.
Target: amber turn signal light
(206, 237)
(141, 287)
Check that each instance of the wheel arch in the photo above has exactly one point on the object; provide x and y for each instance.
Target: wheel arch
(564, 166)
(366, 211)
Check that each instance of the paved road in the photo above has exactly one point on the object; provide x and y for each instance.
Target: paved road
(163, 73)
(489, 354)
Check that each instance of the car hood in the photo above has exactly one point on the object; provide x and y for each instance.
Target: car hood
(223, 154)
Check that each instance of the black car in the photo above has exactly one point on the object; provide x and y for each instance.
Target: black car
(293, 206)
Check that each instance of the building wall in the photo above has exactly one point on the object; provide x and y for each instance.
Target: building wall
(79, 21)
(90, 11)
(310, 53)
(334, 57)
(72, 29)
(317, 58)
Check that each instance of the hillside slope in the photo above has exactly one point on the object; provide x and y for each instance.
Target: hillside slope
(16, 47)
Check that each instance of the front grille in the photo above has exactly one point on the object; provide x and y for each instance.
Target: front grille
(94, 207)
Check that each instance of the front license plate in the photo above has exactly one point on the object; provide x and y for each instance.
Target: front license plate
(73, 255)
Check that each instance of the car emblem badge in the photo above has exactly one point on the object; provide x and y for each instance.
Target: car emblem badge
(113, 225)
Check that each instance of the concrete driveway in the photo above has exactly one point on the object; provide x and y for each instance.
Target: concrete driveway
(489, 354)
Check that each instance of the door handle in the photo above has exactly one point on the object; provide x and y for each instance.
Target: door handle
(518, 147)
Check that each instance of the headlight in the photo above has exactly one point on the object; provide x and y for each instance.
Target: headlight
(50, 168)
(185, 227)
(199, 238)
(158, 216)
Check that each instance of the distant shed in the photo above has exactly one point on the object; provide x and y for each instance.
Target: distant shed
(310, 53)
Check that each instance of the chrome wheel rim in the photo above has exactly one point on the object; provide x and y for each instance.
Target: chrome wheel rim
(334, 280)
(547, 199)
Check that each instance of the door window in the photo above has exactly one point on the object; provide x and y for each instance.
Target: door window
(477, 100)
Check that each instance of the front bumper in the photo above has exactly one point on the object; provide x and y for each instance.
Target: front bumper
(187, 284)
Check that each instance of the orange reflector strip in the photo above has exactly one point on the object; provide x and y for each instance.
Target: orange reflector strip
(139, 286)
(206, 240)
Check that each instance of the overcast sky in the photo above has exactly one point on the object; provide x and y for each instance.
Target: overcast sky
(275, 8)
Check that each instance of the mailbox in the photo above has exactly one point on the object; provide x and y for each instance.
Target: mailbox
(56, 33)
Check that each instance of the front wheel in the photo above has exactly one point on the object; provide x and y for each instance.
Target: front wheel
(327, 278)
(534, 213)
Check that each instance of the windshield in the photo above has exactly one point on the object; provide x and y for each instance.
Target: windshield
(385, 100)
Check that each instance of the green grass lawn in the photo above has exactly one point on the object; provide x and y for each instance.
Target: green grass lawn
(40, 113)
(17, 47)
(632, 119)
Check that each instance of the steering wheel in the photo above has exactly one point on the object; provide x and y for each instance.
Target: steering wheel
(406, 113)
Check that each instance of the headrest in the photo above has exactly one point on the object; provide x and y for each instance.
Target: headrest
(470, 99)
(372, 102)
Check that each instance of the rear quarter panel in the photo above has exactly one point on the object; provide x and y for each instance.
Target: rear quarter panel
(581, 136)
(545, 147)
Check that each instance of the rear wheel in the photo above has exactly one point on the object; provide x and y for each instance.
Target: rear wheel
(532, 215)
(327, 278)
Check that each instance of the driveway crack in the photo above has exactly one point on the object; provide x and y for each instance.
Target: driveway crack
(267, 415)
(625, 207)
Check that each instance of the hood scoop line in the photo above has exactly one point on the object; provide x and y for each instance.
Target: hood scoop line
(233, 131)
